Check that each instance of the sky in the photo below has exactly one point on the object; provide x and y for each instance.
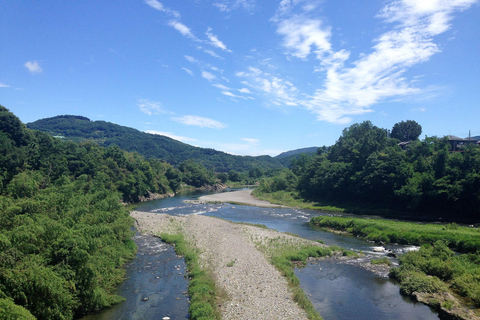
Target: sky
(247, 77)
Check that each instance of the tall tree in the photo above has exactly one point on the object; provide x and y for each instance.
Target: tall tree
(406, 130)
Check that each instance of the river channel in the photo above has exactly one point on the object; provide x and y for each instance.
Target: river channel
(155, 286)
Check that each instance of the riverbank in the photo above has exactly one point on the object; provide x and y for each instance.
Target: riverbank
(253, 288)
(242, 197)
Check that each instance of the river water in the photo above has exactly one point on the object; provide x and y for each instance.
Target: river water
(155, 282)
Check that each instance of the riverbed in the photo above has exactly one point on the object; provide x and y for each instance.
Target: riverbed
(337, 290)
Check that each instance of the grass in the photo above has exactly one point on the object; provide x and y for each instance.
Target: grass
(201, 288)
(291, 199)
(287, 253)
(433, 269)
(462, 239)
(383, 260)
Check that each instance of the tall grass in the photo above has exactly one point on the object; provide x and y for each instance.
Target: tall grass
(435, 268)
(462, 239)
(201, 287)
(285, 254)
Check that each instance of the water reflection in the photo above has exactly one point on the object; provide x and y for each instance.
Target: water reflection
(341, 291)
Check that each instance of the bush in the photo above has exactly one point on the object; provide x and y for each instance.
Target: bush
(413, 281)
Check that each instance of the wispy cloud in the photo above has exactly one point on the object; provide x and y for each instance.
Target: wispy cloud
(229, 5)
(301, 34)
(160, 7)
(33, 66)
(349, 91)
(207, 75)
(251, 141)
(183, 29)
(3, 85)
(198, 121)
(280, 91)
(215, 41)
(151, 107)
(190, 72)
(171, 135)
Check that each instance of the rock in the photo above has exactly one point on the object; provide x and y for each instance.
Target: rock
(145, 299)
(378, 249)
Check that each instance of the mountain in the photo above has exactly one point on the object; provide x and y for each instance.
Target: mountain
(78, 128)
(286, 157)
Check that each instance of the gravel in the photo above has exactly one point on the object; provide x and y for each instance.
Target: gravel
(252, 288)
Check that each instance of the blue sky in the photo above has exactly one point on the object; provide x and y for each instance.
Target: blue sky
(247, 77)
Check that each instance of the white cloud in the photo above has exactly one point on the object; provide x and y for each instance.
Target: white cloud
(3, 85)
(375, 76)
(191, 59)
(301, 34)
(251, 141)
(183, 29)
(220, 86)
(229, 5)
(199, 122)
(171, 135)
(150, 107)
(215, 41)
(280, 91)
(207, 75)
(190, 72)
(159, 6)
(212, 53)
(33, 66)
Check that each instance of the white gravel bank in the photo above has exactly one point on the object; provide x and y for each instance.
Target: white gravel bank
(254, 288)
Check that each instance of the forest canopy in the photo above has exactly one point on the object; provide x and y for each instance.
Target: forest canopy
(64, 232)
(365, 167)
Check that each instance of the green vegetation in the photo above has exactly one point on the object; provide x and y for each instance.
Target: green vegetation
(81, 129)
(285, 254)
(434, 268)
(462, 239)
(383, 260)
(365, 168)
(64, 232)
(201, 287)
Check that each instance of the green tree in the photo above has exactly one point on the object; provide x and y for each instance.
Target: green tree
(406, 130)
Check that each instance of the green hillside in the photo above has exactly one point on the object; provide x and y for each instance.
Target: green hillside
(78, 128)
(286, 157)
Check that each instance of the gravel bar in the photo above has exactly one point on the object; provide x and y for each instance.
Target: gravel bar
(252, 288)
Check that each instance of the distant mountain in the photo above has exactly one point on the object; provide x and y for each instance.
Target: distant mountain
(78, 128)
(286, 157)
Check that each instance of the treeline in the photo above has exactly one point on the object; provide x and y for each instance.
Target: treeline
(366, 167)
(64, 233)
(80, 129)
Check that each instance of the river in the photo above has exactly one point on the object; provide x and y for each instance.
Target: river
(155, 284)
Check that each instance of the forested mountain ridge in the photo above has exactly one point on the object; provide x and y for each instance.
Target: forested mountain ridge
(64, 233)
(286, 157)
(78, 128)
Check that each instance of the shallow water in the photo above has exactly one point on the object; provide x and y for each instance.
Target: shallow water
(337, 290)
(340, 291)
(154, 287)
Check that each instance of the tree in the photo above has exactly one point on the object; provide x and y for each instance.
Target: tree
(406, 130)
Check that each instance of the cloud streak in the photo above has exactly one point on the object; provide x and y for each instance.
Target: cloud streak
(160, 7)
(150, 107)
(348, 91)
(191, 120)
(33, 66)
